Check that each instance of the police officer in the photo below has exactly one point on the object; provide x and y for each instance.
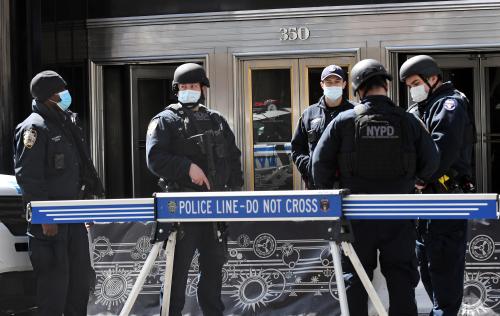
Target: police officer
(316, 117)
(193, 149)
(441, 243)
(52, 163)
(378, 148)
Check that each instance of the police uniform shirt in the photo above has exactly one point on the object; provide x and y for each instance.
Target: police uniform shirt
(46, 160)
(445, 113)
(310, 126)
(339, 139)
(166, 152)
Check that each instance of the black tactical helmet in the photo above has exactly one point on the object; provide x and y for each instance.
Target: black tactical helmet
(366, 69)
(189, 73)
(422, 65)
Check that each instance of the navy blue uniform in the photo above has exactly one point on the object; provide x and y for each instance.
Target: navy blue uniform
(311, 125)
(395, 239)
(441, 244)
(50, 165)
(170, 150)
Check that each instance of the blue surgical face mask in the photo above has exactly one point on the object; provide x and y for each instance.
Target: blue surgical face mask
(188, 96)
(65, 100)
(333, 93)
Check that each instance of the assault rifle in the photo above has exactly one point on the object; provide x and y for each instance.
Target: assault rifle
(206, 143)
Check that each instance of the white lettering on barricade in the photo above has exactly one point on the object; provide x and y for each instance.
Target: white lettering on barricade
(302, 206)
(272, 205)
(227, 207)
(254, 206)
(190, 207)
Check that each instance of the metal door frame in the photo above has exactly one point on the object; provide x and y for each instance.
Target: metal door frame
(487, 61)
(299, 97)
(263, 64)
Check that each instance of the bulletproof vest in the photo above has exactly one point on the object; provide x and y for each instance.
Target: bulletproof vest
(202, 140)
(380, 146)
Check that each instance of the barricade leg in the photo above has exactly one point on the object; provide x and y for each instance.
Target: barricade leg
(139, 282)
(169, 268)
(339, 277)
(351, 254)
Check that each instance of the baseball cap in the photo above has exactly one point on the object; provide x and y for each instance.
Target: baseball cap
(333, 70)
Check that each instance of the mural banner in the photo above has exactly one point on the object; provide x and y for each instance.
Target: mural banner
(272, 269)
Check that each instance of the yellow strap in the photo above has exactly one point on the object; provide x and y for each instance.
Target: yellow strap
(443, 180)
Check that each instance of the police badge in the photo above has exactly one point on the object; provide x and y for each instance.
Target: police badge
(172, 206)
(325, 205)
(29, 138)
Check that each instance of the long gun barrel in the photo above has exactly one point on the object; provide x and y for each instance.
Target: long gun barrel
(206, 143)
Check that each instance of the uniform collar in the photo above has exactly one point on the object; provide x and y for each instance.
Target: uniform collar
(446, 87)
(375, 100)
(50, 113)
(180, 106)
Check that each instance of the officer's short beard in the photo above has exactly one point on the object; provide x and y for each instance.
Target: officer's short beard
(190, 106)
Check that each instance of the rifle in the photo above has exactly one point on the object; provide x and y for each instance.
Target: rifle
(205, 142)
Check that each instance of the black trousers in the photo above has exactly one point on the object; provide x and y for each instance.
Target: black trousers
(441, 248)
(63, 272)
(199, 236)
(395, 239)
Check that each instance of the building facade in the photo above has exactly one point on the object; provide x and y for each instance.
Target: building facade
(264, 61)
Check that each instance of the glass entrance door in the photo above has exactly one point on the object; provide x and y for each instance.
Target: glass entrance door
(271, 105)
(276, 93)
(491, 139)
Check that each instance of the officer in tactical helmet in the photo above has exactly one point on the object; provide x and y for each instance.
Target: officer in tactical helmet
(447, 115)
(316, 117)
(377, 148)
(52, 162)
(192, 149)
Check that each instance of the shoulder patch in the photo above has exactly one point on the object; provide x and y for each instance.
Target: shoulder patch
(450, 104)
(152, 126)
(29, 137)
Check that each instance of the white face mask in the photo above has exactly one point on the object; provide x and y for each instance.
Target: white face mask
(333, 93)
(188, 96)
(418, 93)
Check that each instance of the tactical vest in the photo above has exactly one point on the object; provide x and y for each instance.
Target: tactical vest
(382, 149)
(202, 141)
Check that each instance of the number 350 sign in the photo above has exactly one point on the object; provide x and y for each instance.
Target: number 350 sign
(294, 33)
